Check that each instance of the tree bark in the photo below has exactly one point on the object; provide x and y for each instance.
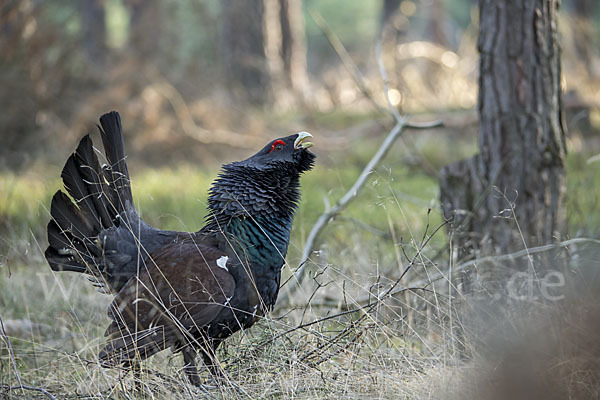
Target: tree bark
(512, 194)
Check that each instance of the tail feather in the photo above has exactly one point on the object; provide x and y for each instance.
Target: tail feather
(71, 218)
(58, 237)
(66, 252)
(99, 196)
(78, 189)
(116, 172)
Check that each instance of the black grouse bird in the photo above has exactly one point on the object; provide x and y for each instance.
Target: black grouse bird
(178, 290)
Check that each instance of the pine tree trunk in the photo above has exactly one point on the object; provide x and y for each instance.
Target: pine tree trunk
(512, 194)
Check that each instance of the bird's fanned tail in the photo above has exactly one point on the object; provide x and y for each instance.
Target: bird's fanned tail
(100, 199)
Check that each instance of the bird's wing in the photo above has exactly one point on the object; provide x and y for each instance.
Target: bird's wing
(180, 292)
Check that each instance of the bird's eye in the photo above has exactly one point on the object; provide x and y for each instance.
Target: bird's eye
(277, 145)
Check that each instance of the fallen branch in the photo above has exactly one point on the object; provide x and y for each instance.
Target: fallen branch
(26, 387)
(520, 253)
(423, 284)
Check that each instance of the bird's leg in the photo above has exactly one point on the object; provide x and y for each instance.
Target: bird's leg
(209, 356)
(189, 361)
(136, 369)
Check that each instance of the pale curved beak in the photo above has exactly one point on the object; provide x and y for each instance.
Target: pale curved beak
(300, 142)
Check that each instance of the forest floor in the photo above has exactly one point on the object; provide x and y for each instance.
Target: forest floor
(411, 345)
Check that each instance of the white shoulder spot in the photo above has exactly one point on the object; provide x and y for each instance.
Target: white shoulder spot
(222, 262)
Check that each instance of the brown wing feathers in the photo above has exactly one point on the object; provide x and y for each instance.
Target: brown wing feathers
(164, 304)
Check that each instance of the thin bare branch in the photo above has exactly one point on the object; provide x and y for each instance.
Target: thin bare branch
(340, 206)
(10, 351)
(323, 220)
(27, 387)
(524, 252)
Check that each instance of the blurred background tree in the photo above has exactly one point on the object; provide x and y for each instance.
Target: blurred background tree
(205, 60)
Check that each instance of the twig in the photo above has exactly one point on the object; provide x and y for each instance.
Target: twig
(524, 252)
(418, 285)
(381, 297)
(10, 351)
(323, 220)
(364, 301)
(511, 256)
(26, 387)
(342, 53)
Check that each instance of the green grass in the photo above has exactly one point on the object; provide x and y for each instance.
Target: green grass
(583, 196)
(175, 198)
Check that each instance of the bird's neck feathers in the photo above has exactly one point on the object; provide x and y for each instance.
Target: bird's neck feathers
(242, 192)
(255, 208)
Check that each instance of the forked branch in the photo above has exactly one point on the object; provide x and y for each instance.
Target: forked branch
(401, 125)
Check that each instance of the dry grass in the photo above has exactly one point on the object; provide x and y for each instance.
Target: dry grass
(413, 345)
(54, 323)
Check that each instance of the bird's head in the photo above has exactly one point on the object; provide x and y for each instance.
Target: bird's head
(287, 153)
(266, 183)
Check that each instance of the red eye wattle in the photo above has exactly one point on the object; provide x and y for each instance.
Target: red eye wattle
(277, 145)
